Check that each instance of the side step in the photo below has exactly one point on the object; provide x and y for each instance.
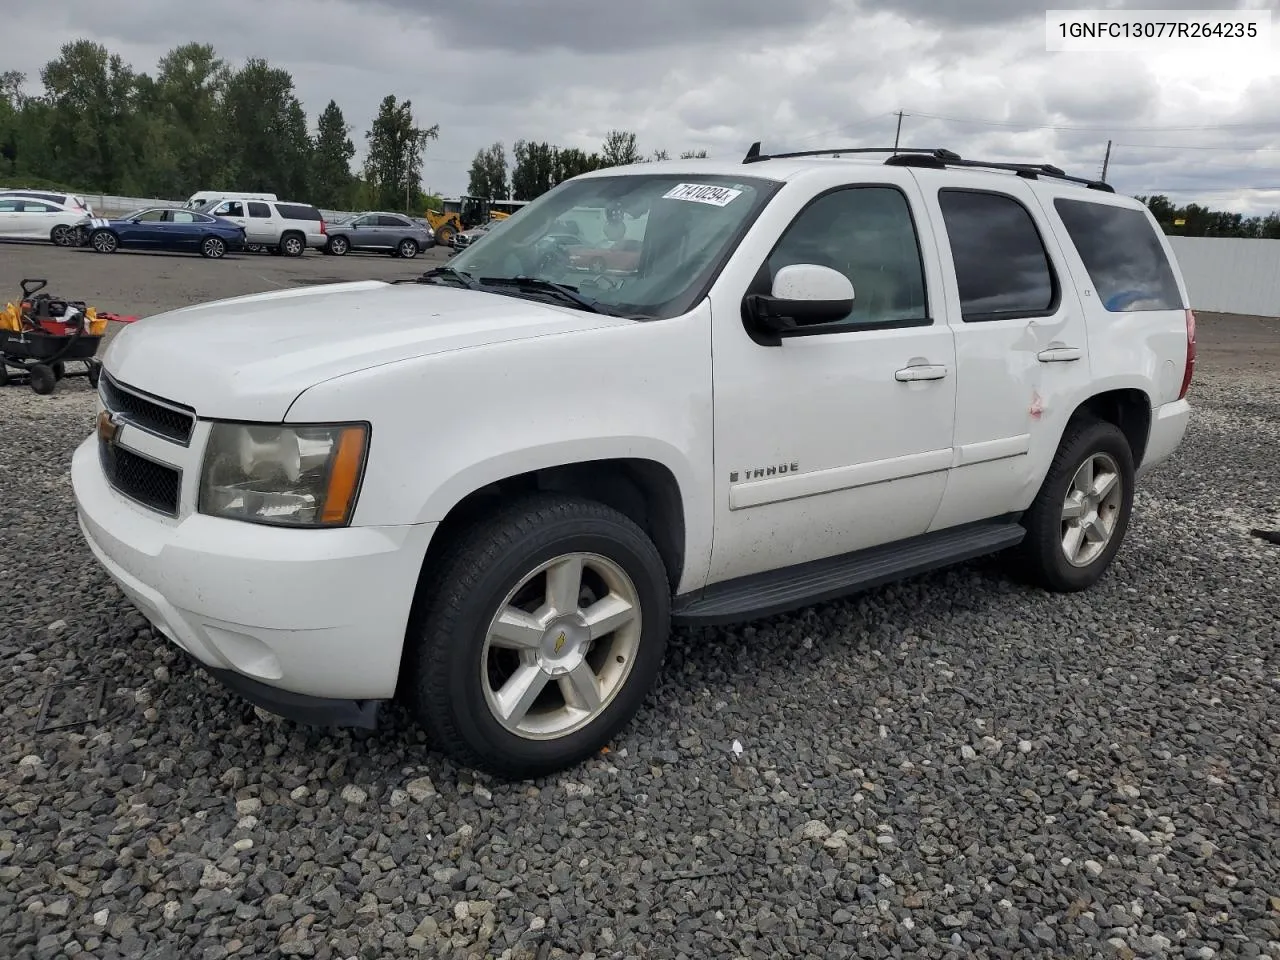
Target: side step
(778, 591)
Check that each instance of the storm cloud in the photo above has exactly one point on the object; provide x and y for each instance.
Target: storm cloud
(970, 75)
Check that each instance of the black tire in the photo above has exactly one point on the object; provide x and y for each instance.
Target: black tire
(1041, 558)
(104, 241)
(441, 679)
(213, 248)
(293, 245)
(43, 380)
(338, 246)
(63, 235)
(59, 369)
(407, 248)
(444, 236)
(95, 368)
(4, 374)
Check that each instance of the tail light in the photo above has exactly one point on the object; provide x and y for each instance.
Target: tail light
(1191, 353)
(324, 230)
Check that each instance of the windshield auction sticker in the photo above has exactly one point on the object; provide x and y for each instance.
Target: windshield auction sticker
(703, 193)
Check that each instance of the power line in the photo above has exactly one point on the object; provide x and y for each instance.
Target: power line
(1184, 146)
(1110, 129)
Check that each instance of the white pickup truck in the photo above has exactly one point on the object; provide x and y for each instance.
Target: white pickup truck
(490, 491)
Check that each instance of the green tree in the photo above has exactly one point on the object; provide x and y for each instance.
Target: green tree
(535, 169)
(187, 97)
(331, 152)
(619, 148)
(91, 124)
(488, 176)
(393, 167)
(570, 162)
(267, 146)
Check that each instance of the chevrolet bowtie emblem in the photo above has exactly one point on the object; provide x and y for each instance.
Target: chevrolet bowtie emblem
(560, 641)
(108, 427)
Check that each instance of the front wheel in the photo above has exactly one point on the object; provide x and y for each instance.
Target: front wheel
(543, 633)
(104, 241)
(63, 236)
(444, 236)
(338, 246)
(1077, 522)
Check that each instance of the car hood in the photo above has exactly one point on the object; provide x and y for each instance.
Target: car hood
(250, 357)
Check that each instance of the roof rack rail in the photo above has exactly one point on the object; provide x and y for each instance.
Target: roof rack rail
(755, 156)
(936, 158)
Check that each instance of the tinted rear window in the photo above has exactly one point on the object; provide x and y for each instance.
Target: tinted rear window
(298, 211)
(1123, 255)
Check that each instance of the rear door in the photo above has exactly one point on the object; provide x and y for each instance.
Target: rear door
(1134, 307)
(1022, 350)
(181, 230)
(262, 224)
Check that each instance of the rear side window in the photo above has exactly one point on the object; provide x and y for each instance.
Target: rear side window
(1002, 268)
(259, 209)
(1123, 255)
(298, 211)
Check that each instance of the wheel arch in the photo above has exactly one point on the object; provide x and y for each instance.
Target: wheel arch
(1128, 408)
(642, 489)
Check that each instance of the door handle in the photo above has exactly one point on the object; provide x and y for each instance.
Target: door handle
(1059, 354)
(921, 372)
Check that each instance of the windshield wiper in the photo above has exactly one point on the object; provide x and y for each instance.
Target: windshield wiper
(432, 276)
(562, 290)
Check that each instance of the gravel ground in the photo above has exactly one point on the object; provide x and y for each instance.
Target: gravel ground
(952, 767)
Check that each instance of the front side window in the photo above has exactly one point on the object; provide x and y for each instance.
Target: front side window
(1122, 254)
(151, 216)
(675, 232)
(232, 208)
(868, 234)
(1002, 268)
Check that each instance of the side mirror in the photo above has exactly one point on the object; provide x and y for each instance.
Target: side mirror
(804, 294)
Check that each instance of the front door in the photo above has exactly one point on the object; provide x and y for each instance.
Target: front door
(839, 439)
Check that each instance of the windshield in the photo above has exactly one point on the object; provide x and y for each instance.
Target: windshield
(644, 244)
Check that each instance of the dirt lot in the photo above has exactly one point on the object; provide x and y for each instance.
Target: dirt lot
(956, 766)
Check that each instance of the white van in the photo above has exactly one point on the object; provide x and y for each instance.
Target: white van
(209, 196)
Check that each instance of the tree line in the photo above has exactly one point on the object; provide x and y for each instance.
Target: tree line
(200, 123)
(1194, 220)
(537, 167)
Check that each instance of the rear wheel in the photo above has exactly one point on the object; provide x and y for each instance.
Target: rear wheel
(104, 241)
(540, 637)
(444, 236)
(213, 248)
(1077, 522)
(59, 369)
(292, 245)
(407, 249)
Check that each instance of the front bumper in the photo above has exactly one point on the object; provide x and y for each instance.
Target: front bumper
(305, 623)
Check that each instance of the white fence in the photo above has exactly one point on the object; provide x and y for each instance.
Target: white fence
(105, 205)
(1230, 274)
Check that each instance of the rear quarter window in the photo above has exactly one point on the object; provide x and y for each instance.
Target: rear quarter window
(297, 211)
(1123, 255)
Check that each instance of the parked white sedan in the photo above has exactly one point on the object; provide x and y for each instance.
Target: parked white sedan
(25, 217)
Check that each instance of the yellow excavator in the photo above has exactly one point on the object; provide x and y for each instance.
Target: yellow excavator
(464, 213)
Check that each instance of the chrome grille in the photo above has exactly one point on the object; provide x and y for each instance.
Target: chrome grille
(161, 417)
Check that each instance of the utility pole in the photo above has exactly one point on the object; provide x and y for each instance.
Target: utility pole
(1106, 161)
(898, 133)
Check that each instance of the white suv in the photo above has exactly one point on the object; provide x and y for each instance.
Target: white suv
(491, 490)
(275, 225)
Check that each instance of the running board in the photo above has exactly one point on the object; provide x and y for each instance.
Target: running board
(779, 591)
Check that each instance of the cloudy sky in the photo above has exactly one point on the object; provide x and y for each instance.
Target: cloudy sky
(971, 75)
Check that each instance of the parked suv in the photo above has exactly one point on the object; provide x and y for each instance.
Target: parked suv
(490, 491)
(390, 233)
(275, 225)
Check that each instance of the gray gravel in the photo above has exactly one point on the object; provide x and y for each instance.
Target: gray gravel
(953, 767)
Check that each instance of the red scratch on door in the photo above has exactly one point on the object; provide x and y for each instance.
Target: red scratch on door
(1037, 406)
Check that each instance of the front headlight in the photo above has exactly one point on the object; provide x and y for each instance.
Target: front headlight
(297, 476)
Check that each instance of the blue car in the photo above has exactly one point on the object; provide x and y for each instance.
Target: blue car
(165, 228)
